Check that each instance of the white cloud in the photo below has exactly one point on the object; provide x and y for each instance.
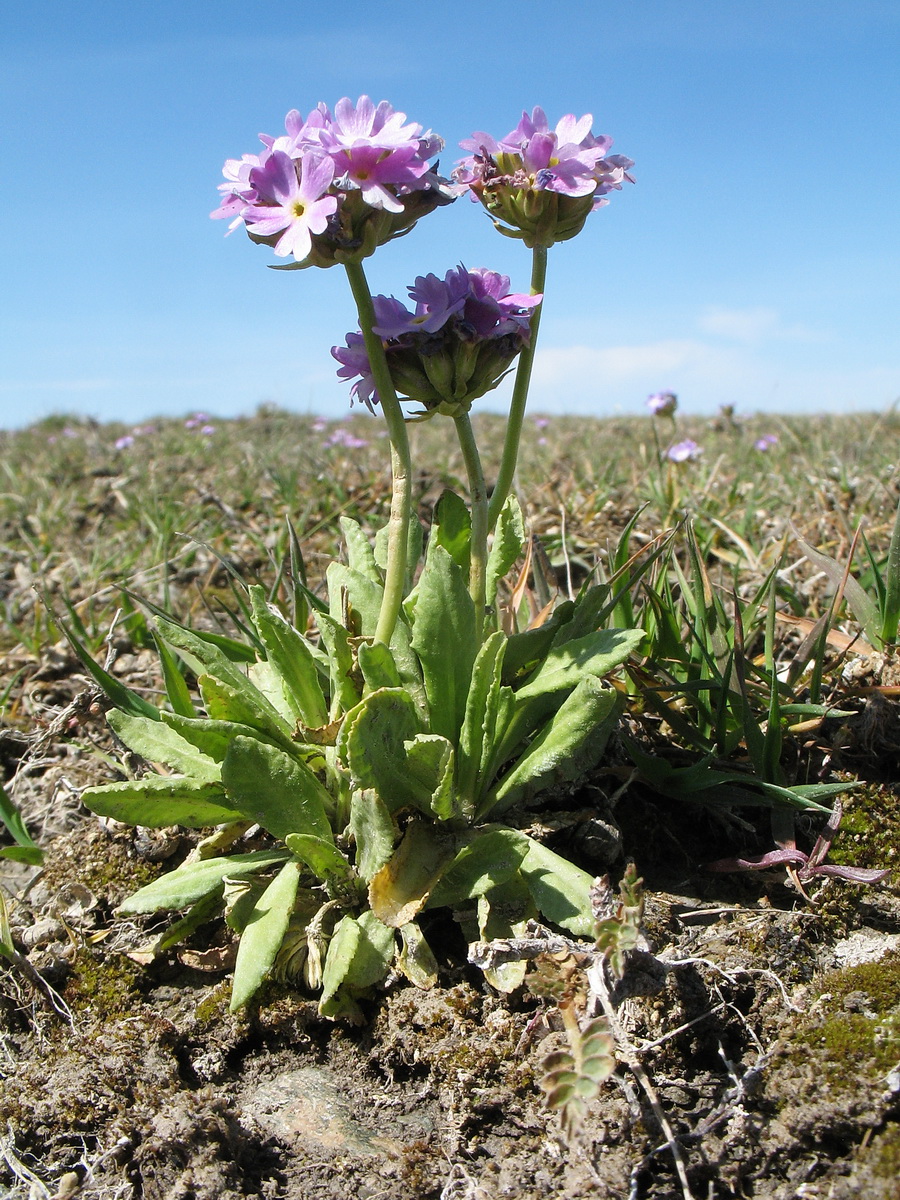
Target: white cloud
(739, 324)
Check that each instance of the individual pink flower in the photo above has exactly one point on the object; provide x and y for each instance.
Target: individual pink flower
(766, 442)
(291, 202)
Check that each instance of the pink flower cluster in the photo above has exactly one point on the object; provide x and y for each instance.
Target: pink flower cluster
(293, 189)
(569, 159)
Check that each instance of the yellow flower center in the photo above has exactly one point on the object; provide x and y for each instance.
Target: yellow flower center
(298, 208)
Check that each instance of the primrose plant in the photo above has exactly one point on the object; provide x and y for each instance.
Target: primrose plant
(365, 764)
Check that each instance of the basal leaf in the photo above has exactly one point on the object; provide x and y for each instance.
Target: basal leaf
(373, 831)
(212, 738)
(158, 742)
(400, 889)
(569, 744)
(487, 859)
(377, 665)
(453, 527)
(360, 555)
(507, 546)
(595, 653)
(263, 934)
(191, 882)
(372, 740)
(479, 728)
(444, 640)
(276, 790)
(559, 888)
(359, 956)
(326, 862)
(290, 657)
(429, 771)
(351, 593)
(243, 703)
(160, 800)
(177, 691)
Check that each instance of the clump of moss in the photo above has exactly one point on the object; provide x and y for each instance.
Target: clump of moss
(869, 828)
(857, 1027)
(105, 985)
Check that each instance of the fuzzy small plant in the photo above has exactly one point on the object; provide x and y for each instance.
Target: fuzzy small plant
(361, 763)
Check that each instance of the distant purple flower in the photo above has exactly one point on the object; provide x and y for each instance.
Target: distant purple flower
(766, 442)
(683, 451)
(662, 404)
(123, 442)
(346, 439)
(207, 430)
(197, 419)
(69, 432)
(541, 422)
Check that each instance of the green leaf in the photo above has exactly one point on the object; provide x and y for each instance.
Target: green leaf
(560, 889)
(488, 858)
(160, 800)
(212, 738)
(360, 555)
(243, 703)
(291, 659)
(568, 745)
(371, 742)
(158, 742)
(377, 665)
(263, 934)
(278, 791)
(453, 527)
(480, 723)
(345, 687)
(353, 594)
(177, 691)
(204, 652)
(504, 912)
(191, 882)
(359, 956)
(326, 862)
(400, 889)
(595, 653)
(429, 770)
(26, 849)
(444, 640)
(373, 831)
(507, 546)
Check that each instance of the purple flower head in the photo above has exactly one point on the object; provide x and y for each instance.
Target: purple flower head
(683, 451)
(381, 182)
(458, 344)
(123, 442)
(766, 442)
(662, 404)
(569, 162)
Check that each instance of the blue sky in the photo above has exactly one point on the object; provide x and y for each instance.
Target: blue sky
(755, 261)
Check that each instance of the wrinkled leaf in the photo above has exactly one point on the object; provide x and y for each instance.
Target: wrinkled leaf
(158, 742)
(281, 793)
(416, 959)
(570, 744)
(263, 934)
(359, 956)
(290, 657)
(192, 881)
(444, 639)
(452, 527)
(489, 857)
(479, 730)
(559, 888)
(507, 546)
(360, 555)
(325, 861)
(373, 831)
(160, 800)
